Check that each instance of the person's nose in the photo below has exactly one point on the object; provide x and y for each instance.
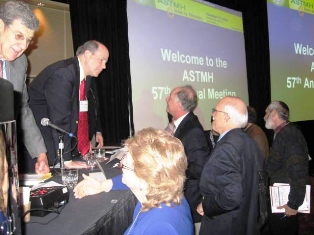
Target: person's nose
(265, 117)
(24, 44)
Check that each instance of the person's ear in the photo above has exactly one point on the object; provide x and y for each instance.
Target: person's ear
(179, 105)
(226, 117)
(273, 113)
(87, 54)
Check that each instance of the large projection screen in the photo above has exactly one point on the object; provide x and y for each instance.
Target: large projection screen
(174, 43)
(291, 45)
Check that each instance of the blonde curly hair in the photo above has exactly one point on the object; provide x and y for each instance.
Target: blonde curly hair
(159, 160)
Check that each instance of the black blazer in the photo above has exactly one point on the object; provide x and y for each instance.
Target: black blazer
(192, 136)
(54, 94)
(93, 110)
(229, 185)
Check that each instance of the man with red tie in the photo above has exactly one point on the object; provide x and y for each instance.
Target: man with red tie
(60, 93)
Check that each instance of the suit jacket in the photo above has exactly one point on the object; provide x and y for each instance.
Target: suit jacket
(93, 110)
(229, 185)
(192, 136)
(28, 130)
(54, 94)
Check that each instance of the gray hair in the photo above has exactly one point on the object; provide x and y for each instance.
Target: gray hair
(187, 97)
(281, 108)
(17, 10)
(237, 111)
(91, 46)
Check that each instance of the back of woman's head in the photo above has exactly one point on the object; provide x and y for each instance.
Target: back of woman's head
(159, 160)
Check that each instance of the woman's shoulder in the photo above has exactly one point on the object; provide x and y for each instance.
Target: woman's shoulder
(174, 219)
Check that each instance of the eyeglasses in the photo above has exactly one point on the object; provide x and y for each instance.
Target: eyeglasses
(215, 110)
(122, 166)
(21, 37)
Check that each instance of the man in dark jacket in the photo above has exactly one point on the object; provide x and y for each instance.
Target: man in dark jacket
(54, 94)
(287, 163)
(180, 104)
(229, 181)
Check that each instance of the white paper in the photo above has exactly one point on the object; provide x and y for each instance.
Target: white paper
(279, 196)
(119, 154)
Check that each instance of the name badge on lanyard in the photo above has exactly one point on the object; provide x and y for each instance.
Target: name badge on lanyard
(83, 105)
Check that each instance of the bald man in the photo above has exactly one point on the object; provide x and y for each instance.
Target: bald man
(229, 181)
(55, 94)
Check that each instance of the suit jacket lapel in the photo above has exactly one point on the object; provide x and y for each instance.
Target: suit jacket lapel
(180, 128)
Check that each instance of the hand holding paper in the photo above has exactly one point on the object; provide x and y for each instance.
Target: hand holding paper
(279, 197)
(288, 211)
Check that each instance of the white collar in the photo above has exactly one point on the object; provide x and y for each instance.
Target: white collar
(179, 120)
(82, 75)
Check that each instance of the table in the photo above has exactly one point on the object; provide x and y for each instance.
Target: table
(105, 213)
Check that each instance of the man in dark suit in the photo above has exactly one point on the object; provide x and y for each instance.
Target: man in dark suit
(229, 181)
(180, 104)
(18, 24)
(94, 127)
(54, 94)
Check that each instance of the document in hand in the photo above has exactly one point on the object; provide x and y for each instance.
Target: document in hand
(279, 196)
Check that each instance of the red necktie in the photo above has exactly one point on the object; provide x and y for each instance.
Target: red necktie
(82, 129)
(1, 69)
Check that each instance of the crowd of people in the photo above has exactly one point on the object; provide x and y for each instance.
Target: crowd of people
(185, 181)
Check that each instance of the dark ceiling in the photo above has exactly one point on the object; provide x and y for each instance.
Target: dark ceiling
(62, 1)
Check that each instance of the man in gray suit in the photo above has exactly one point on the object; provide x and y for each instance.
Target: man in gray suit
(17, 27)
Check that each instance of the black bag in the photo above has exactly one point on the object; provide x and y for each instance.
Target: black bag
(263, 198)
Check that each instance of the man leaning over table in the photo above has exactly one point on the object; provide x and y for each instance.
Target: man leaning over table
(55, 94)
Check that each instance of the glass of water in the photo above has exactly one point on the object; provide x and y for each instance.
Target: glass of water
(70, 177)
(91, 160)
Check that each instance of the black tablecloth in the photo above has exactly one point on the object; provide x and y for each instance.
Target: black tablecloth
(104, 213)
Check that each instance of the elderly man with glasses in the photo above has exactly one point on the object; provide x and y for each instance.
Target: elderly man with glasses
(18, 24)
(229, 181)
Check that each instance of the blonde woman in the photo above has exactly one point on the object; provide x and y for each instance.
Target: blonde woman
(154, 169)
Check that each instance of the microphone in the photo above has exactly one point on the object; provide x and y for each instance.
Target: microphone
(46, 122)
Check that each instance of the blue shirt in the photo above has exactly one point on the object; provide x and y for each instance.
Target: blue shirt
(175, 220)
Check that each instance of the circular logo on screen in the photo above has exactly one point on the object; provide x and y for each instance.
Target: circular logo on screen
(279, 2)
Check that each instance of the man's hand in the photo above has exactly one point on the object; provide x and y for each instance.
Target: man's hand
(42, 165)
(288, 210)
(75, 165)
(199, 209)
(91, 186)
(99, 139)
